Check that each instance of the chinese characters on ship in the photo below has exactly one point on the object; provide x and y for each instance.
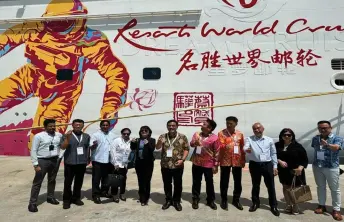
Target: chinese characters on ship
(253, 58)
(193, 116)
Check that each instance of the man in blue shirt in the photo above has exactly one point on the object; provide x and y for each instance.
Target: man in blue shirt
(326, 167)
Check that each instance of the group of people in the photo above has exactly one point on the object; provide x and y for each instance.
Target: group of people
(227, 150)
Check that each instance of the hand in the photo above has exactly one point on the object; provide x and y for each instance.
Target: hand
(215, 169)
(37, 169)
(324, 142)
(298, 171)
(228, 146)
(249, 150)
(179, 163)
(283, 164)
(275, 172)
(69, 134)
(133, 140)
(145, 141)
(197, 143)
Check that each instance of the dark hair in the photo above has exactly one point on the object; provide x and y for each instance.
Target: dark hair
(48, 121)
(211, 123)
(78, 121)
(232, 118)
(124, 129)
(324, 121)
(293, 140)
(104, 121)
(172, 121)
(145, 128)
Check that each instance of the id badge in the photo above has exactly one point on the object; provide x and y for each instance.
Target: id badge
(53, 153)
(263, 157)
(321, 155)
(125, 158)
(199, 150)
(236, 149)
(169, 153)
(80, 150)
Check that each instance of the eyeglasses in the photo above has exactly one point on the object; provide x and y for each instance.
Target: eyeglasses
(125, 134)
(287, 135)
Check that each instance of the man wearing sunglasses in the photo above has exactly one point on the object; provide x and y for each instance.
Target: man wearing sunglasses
(326, 167)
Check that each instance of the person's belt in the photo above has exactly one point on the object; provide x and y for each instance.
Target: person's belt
(48, 158)
(260, 163)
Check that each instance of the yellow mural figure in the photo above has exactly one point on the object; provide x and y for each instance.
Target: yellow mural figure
(56, 45)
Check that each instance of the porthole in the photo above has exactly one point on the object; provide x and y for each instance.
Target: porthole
(337, 81)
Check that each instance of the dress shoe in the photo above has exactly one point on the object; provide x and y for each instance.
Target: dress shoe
(178, 206)
(78, 202)
(53, 201)
(66, 205)
(144, 203)
(32, 208)
(336, 215)
(122, 197)
(238, 205)
(195, 204)
(97, 200)
(224, 205)
(254, 207)
(275, 211)
(320, 209)
(166, 205)
(212, 205)
(115, 199)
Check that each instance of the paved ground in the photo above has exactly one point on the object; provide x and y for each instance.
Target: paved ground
(16, 176)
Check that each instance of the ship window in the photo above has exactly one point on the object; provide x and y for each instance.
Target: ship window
(337, 81)
(64, 74)
(337, 64)
(151, 73)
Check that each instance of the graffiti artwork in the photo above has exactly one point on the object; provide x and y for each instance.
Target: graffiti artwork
(193, 100)
(51, 46)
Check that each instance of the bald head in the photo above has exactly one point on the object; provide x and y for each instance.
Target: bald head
(258, 129)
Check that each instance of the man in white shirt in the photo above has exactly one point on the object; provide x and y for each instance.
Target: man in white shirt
(262, 154)
(44, 154)
(101, 143)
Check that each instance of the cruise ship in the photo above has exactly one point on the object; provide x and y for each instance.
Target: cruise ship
(144, 62)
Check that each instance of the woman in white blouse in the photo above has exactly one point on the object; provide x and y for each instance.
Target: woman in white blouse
(119, 158)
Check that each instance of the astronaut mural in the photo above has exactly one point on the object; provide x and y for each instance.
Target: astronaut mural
(61, 45)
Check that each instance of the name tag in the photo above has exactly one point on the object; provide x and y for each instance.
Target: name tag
(169, 153)
(80, 150)
(236, 149)
(199, 150)
(321, 155)
(125, 158)
(53, 153)
(263, 157)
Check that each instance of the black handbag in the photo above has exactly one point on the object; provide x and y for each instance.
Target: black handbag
(131, 159)
(114, 180)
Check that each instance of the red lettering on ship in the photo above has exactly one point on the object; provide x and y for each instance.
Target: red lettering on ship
(302, 58)
(294, 27)
(242, 3)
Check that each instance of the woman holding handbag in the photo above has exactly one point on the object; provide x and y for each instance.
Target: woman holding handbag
(144, 147)
(292, 160)
(119, 151)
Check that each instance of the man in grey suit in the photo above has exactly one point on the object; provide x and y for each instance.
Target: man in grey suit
(76, 143)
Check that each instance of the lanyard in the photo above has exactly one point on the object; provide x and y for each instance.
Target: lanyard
(79, 141)
(168, 139)
(234, 138)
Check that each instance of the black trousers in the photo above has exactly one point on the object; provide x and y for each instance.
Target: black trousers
(197, 173)
(224, 180)
(144, 172)
(100, 172)
(123, 172)
(265, 169)
(48, 166)
(175, 175)
(76, 173)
